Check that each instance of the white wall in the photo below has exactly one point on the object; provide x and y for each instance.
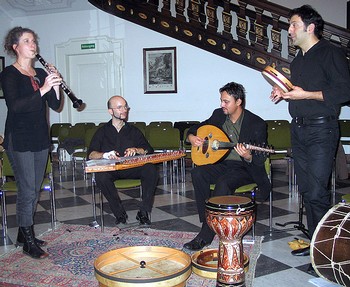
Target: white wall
(332, 11)
(200, 74)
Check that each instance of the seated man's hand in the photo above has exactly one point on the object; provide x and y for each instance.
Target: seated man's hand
(131, 151)
(110, 155)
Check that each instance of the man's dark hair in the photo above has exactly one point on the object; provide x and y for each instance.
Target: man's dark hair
(309, 16)
(235, 90)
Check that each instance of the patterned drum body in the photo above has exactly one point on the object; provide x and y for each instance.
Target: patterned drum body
(230, 217)
(330, 245)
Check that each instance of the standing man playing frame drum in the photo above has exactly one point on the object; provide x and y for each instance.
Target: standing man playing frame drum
(239, 167)
(321, 80)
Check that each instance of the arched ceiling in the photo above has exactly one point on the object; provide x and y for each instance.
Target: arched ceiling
(20, 8)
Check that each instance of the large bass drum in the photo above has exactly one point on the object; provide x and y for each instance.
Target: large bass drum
(330, 245)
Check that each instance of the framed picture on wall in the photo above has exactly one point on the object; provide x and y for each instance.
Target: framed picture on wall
(2, 66)
(159, 70)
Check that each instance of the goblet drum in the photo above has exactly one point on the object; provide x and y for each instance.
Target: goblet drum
(230, 217)
(330, 245)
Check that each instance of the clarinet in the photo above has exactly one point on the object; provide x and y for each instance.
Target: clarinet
(77, 103)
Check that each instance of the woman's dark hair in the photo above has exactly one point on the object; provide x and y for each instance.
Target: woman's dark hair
(235, 90)
(309, 16)
(13, 36)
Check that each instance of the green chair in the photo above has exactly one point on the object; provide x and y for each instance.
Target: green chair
(120, 184)
(279, 137)
(344, 127)
(346, 198)
(140, 125)
(82, 154)
(164, 124)
(9, 186)
(164, 139)
(55, 131)
(182, 126)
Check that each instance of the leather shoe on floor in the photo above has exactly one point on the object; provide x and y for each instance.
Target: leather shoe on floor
(301, 252)
(195, 244)
(142, 217)
(121, 219)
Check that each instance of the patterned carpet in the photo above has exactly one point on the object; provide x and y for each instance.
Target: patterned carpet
(74, 248)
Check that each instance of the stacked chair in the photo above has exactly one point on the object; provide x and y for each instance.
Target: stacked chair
(82, 152)
(163, 139)
(140, 125)
(279, 137)
(8, 186)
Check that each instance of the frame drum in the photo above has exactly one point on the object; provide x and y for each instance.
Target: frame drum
(143, 266)
(276, 78)
(205, 263)
(330, 245)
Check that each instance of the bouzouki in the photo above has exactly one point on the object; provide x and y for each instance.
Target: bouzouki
(216, 145)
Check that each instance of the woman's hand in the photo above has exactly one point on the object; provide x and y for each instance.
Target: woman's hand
(52, 80)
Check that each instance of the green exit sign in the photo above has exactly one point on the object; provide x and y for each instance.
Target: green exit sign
(87, 46)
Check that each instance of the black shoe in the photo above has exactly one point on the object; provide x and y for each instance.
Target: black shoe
(196, 244)
(29, 246)
(121, 218)
(261, 197)
(21, 240)
(301, 252)
(142, 217)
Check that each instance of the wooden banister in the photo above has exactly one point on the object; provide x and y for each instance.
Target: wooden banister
(253, 32)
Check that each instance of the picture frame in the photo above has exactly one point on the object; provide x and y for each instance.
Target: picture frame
(2, 67)
(159, 70)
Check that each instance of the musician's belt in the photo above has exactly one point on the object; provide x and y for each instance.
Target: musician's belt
(308, 121)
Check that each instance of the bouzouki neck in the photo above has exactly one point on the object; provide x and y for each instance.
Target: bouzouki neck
(227, 145)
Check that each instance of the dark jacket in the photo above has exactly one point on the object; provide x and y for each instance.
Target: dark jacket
(253, 131)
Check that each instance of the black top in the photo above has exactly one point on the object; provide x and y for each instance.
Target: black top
(26, 120)
(107, 138)
(323, 68)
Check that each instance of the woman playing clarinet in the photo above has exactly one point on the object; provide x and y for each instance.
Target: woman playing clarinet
(28, 91)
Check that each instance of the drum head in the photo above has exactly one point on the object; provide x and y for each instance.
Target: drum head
(205, 263)
(143, 266)
(330, 245)
(229, 203)
(273, 77)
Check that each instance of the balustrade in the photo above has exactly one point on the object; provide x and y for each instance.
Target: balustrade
(251, 32)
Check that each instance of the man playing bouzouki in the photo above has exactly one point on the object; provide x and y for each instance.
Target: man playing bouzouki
(239, 166)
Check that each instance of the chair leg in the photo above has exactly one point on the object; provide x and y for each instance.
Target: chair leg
(94, 223)
(101, 212)
(4, 214)
(270, 212)
(53, 203)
